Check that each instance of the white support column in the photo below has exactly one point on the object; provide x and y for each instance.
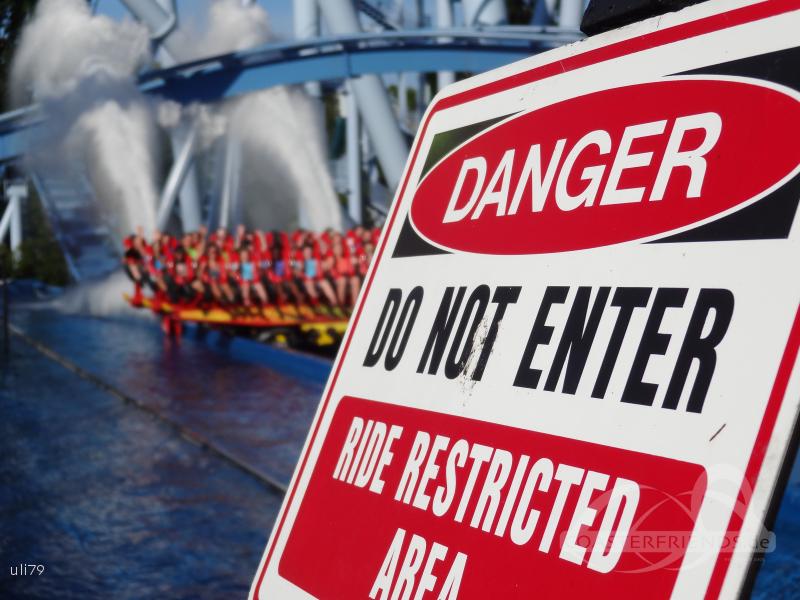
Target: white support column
(161, 19)
(235, 171)
(230, 207)
(5, 221)
(402, 98)
(353, 142)
(570, 13)
(396, 12)
(306, 26)
(16, 194)
(444, 20)
(418, 13)
(186, 135)
(373, 101)
(485, 12)
(183, 145)
(419, 78)
(11, 223)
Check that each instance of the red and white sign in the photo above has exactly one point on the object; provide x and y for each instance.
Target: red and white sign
(572, 370)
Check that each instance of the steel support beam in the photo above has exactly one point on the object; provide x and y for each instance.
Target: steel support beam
(5, 221)
(11, 223)
(306, 26)
(444, 20)
(181, 166)
(161, 19)
(373, 101)
(485, 12)
(418, 18)
(185, 134)
(402, 97)
(230, 205)
(571, 13)
(353, 143)
(16, 195)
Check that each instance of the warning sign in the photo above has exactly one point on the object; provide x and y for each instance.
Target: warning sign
(572, 370)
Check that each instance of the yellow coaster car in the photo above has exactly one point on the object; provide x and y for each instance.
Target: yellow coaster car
(288, 324)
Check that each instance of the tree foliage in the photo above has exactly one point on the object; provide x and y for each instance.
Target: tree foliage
(520, 12)
(39, 256)
(13, 15)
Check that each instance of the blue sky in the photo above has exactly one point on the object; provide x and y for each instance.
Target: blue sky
(280, 12)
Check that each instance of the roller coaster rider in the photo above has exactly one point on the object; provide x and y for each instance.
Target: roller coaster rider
(248, 279)
(212, 271)
(294, 273)
(179, 278)
(314, 280)
(133, 262)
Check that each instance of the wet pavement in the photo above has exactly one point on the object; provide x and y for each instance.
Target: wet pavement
(116, 503)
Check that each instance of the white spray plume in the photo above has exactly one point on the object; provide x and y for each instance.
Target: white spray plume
(211, 124)
(103, 298)
(169, 114)
(285, 180)
(79, 67)
(65, 44)
(120, 140)
(284, 176)
(229, 27)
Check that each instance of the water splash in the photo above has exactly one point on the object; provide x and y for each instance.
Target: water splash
(228, 27)
(284, 179)
(102, 298)
(80, 68)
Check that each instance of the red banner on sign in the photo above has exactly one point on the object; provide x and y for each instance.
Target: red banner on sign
(559, 168)
(425, 505)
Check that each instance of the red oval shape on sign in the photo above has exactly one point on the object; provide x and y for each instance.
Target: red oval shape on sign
(612, 166)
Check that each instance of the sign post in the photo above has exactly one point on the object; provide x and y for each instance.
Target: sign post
(572, 370)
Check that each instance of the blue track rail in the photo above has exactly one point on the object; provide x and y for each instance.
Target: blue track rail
(322, 59)
(344, 57)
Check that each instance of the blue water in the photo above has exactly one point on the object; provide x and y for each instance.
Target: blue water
(256, 413)
(779, 575)
(112, 502)
(115, 503)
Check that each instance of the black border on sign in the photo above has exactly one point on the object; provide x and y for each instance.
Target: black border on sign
(773, 507)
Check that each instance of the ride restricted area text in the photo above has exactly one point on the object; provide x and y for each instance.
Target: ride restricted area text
(429, 504)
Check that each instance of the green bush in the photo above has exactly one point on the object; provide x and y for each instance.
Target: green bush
(39, 255)
(5, 262)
